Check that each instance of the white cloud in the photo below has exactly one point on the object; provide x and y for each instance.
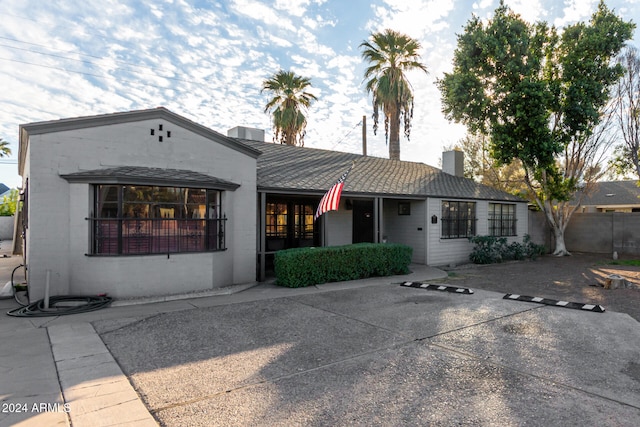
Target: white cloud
(308, 42)
(575, 11)
(316, 22)
(273, 39)
(482, 5)
(293, 7)
(530, 10)
(261, 12)
(416, 18)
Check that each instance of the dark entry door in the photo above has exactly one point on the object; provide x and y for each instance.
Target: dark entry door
(362, 221)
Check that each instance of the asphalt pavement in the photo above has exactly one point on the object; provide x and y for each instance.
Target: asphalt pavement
(368, 352)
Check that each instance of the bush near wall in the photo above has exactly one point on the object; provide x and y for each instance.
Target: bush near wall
(311, 266)
(9, 203)
(491, 249)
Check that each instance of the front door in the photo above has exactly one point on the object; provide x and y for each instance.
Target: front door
(362, 221)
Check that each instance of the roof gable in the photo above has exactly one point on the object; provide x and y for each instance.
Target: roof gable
(161, 113)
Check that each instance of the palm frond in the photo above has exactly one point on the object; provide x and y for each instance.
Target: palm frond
(290, 101)
(390, 55)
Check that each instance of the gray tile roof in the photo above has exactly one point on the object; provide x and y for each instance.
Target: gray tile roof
(613, 193)
(314, 171)
(137, 175)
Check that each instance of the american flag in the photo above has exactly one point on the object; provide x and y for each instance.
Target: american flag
(331, 199)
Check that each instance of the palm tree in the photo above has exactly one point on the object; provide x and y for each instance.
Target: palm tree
(4, 148)
(391, 54)
(289, 103)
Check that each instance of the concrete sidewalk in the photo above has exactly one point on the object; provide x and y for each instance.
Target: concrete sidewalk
(57, 370)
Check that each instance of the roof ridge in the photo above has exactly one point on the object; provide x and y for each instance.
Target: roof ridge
(325, 150)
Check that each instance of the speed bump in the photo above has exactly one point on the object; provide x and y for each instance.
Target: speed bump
(574, 305)
(443, 288)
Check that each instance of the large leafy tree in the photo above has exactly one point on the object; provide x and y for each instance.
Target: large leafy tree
(538, 94)
(390, 55)
(288, 106)
(482, 168)
(626, 102)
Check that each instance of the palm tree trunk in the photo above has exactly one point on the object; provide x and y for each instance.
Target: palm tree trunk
(394, 134)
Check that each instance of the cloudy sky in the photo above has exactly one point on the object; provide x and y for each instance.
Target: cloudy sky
(206, 60)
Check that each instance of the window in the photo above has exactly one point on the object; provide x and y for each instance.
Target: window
(139, 219)
(289, 223)
(458, 219)
(304, 222)
(502, 219)
(276, 220)
(404, 208)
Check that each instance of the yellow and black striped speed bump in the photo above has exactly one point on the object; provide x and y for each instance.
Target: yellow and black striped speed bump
(444, 288)
(575, 305)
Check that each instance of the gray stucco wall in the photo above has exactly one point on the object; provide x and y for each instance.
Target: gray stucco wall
(58, 236)
(6, 227)
(456, 251)
(338, 226)
(407, 229)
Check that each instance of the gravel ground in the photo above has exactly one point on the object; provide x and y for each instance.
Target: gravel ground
(576, 278)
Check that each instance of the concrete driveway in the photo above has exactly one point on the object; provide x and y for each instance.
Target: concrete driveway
(379, 354)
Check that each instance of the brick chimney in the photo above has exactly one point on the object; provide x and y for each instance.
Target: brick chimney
(453, 162)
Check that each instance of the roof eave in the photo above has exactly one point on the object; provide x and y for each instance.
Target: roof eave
(98, 178)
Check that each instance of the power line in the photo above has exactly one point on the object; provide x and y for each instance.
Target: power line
(154, 70)
(102, 36)
(87, 74)
(347, 134)
(88, 62)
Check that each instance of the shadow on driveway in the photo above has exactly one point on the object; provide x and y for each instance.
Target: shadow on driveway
(383, 355)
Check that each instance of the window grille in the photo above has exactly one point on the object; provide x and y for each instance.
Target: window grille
(458, 219)
(137, 236)
(141, 220)
(502, 219)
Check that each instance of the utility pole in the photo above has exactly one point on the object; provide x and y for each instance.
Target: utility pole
(364, 135)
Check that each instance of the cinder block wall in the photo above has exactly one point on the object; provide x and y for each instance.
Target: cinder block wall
(604, 232)
(539, 230)
(597, 232)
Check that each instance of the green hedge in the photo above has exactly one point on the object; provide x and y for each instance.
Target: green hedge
(311, 266)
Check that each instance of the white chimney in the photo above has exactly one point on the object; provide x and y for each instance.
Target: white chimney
(242, 132)
(453, 162)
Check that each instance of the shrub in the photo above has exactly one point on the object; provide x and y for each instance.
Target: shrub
(532, 250)
(10, 203)
(491, 249)
(310, 266)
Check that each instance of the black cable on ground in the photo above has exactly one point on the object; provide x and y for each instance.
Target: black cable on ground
(14, 288)
(62, 305)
